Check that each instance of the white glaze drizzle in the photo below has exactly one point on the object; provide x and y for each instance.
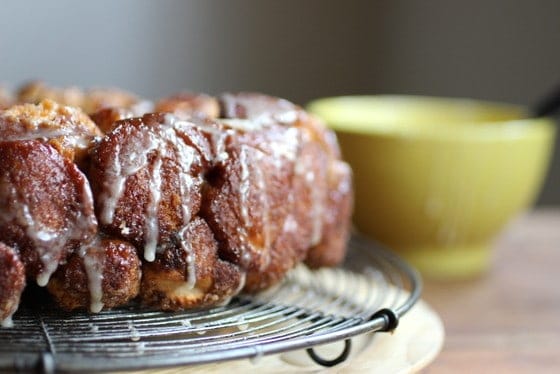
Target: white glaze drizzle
(317, 208)
(161, 142)
(286, 149)
(8, 321)
(142, 107)
(189, 257)
(151, 226)
(36, 128)
(126, 162)
(265, 204)
(260, 109)
(168, 141)
(242, 124)
(304, 169)
(186, 155)
(93, 260)
(244, 186)
(48, 244)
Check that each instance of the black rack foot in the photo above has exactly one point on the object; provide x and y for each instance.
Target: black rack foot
(330, 363)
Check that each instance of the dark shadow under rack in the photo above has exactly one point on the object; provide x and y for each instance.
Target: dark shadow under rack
(370, 293)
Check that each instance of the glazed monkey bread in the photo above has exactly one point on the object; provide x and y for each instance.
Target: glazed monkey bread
(181, 203)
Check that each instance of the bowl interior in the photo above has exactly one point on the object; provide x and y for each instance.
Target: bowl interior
(422, 116)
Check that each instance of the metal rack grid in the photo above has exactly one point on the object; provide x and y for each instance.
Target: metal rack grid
(370, 293)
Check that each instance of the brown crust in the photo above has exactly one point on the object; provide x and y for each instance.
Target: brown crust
(106, 118)
(6, 98)
(131, 210)
(12, 281)
(69, 130)
(99, 98)
(336, 223)
(318, 194)
(89, 101)
(223, 204)
(120, 268)
(166, 284)
(47, 206)
(36, 91)
(185, 105)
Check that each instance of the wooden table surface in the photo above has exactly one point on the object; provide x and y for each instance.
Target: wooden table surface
(508, 320)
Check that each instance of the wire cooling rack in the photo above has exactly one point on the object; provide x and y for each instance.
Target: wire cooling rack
(369, 294)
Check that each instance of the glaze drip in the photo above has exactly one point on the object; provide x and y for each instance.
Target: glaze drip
(48, 243)
(93, 258)
(151, 149)
(189, 257)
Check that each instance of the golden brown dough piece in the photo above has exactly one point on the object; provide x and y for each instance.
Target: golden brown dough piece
(146, 178)
(245, 201)
(206, 198)
(89, 101)
(189, 272)
(6, 98)
(12, 283)
(36, 91)
(186, 105)
(99, 98)
(104, 274)
(336, 223)
(106, 118)
(47, 206)
(318, 195)
(67, 129)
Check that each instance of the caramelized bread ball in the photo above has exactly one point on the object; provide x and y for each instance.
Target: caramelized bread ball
(186, 105)
(47, 206)
(12, 283)
(146, 177)
(189, 273)
(6, 98)
(89, 101)
(100, 98)
(331, 249)
(249, 201)
(317, 195)
(104, 274)
(106, 118)
(197, 202)
(36, 91)
(67, 129)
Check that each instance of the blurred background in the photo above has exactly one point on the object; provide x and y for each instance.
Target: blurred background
(499, 50)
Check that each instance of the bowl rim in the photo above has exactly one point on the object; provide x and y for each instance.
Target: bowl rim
(522, 127)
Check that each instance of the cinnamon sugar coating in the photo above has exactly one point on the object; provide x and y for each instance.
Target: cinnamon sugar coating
(186, 105)
(67, 129)
(89, 101)
(181, 208)
(12, 282)
(47, 206)
(118, 268)
(189, 272)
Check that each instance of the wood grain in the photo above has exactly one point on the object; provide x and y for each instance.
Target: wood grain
(507, 320)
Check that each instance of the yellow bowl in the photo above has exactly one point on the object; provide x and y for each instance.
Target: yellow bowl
(437, 179)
